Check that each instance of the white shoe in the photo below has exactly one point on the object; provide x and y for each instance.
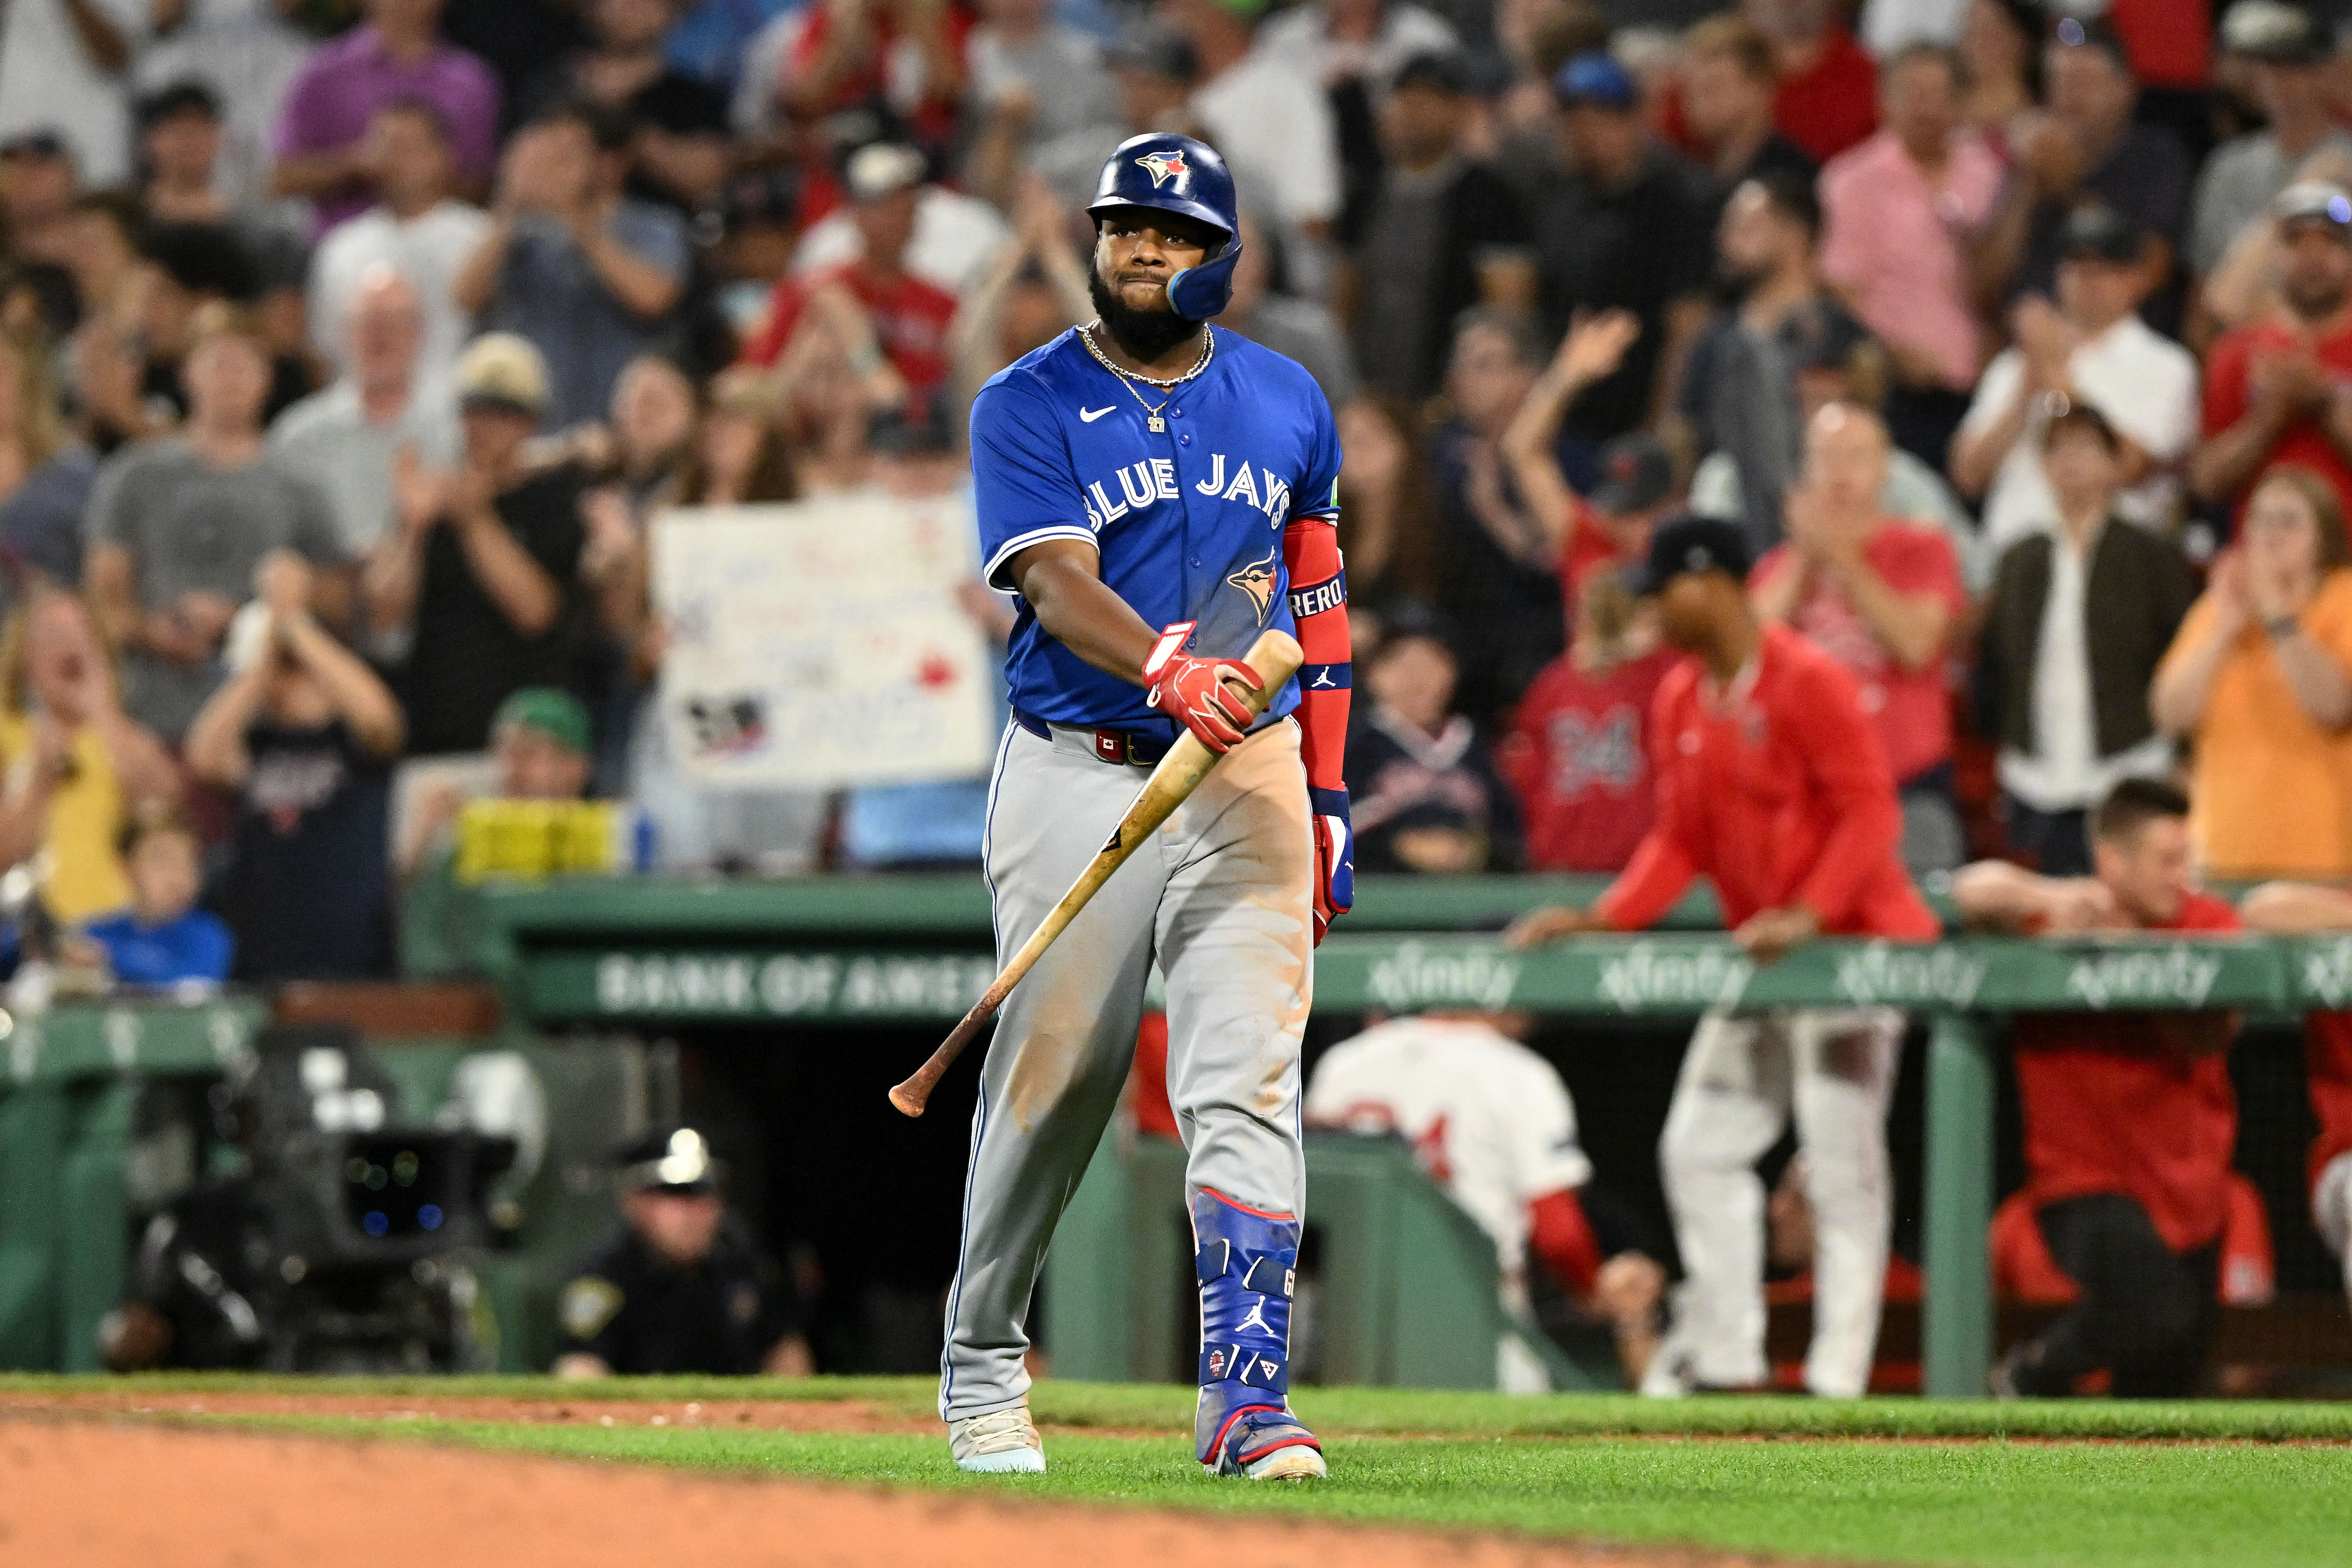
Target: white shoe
(1002, 1442)
(1297, 1463)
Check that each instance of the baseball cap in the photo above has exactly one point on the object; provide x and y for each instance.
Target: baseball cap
(2315, 201)
(502, 370)
(1434, 71)
(2275, 32)
(2098, 233)
(554, 713)
(672, 1160)
(880, 168)
(1692, 543)
(1596, 77)
(186, 96)
(1636, 473)
(45, 141)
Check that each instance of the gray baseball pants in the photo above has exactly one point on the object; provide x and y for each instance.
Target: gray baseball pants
(1222, 899)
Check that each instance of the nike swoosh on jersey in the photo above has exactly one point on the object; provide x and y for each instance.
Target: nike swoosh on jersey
(1088, 416)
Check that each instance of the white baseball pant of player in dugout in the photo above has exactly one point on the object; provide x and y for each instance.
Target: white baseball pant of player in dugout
(1743, 1078)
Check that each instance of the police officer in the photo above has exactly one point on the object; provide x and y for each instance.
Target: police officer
(679, 1287)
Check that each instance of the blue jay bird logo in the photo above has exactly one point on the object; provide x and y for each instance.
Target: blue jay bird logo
(1164, 167)
(1258, 580)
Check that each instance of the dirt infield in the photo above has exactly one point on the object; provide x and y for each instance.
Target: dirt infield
(751, 1414)
(94, 1494)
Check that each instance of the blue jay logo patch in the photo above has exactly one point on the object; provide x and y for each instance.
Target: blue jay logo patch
(1164, 167)
(1258, 580)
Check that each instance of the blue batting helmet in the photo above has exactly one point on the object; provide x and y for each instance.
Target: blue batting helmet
(1177, 174)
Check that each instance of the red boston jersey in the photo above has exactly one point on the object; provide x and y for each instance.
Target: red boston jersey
(1580, 765)
(2327, 1053)
(2110, 1108)
(1777, 789)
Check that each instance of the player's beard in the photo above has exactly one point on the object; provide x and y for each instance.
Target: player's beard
(1144, 334)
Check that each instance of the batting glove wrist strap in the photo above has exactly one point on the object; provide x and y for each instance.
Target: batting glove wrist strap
(1335, 857)
(1193, 691)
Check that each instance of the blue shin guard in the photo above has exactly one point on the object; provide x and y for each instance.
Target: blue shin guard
(1246, 1262)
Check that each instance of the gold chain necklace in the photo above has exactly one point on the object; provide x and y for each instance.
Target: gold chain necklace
(1127, 378)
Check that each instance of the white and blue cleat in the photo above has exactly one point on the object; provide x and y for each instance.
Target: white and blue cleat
(1004, 1442)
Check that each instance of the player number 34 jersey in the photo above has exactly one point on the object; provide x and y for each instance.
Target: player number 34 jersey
(1188, 520)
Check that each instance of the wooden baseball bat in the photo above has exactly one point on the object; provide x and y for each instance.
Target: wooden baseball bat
(1275, 657)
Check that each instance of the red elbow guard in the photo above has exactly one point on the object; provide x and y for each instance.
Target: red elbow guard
(1318, 603)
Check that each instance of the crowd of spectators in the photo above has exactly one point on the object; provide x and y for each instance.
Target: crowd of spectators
(2008, 335)
(349, 347)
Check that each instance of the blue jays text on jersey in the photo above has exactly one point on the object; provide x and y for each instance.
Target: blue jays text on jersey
(1188, 520)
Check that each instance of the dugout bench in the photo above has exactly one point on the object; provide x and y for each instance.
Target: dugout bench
(844, 951)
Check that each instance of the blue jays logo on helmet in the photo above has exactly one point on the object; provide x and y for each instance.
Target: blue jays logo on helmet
(1164, 167)
(1172, 174)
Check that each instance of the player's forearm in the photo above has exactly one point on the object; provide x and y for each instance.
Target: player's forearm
(2296, 909)
(1078, 610)
(1852, 855)
(1997, 895)
(1658, 874)
(1318, 603)
(1867, 820)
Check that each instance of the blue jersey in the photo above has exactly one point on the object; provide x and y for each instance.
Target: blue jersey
(1188, 522)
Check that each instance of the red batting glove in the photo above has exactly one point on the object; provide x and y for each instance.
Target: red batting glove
(1334, 858)
(1193, 691)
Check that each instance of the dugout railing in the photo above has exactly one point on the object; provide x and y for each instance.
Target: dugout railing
(835, 952)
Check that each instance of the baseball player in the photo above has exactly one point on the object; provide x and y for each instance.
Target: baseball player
(2301, 908)
(1158, 492)
(1770, 781)
(2129, 1117)
(1492, 1124)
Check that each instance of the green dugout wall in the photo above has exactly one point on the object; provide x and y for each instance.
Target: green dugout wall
(71, 1081)
(841, 951)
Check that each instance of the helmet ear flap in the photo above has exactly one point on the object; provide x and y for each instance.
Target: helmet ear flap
(1198, 293)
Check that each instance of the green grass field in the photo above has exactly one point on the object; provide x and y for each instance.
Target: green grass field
(2068, 1485)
